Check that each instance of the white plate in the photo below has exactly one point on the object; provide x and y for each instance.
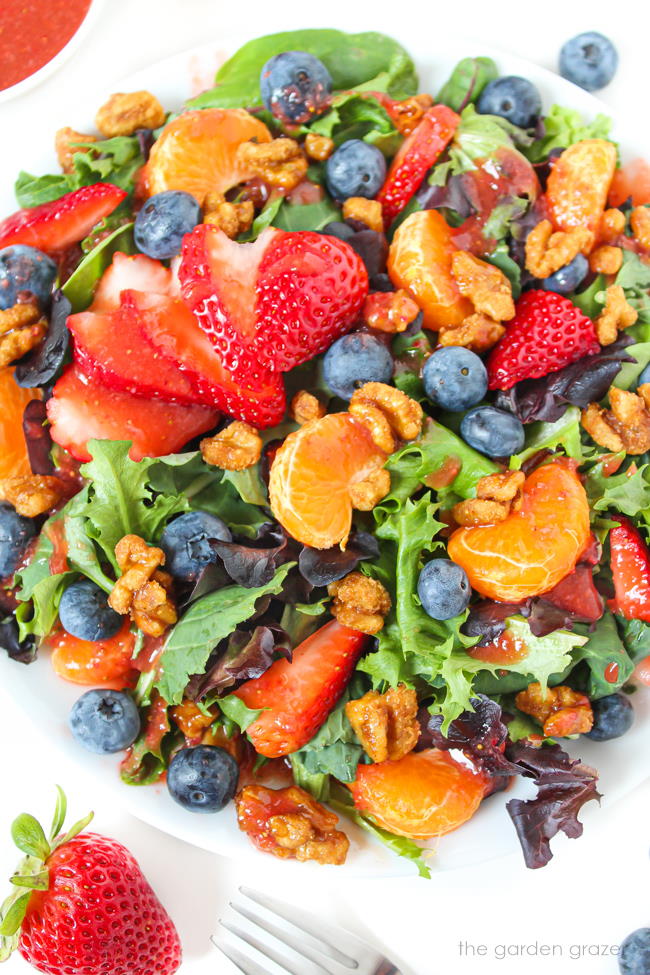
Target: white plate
(47, 699)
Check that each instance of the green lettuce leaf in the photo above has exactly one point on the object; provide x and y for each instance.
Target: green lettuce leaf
(357, 116)
(564, 126)
(477, 137)
(307, 216)
(467, 81)
(603, 648)
(80, 286)
(635, 635)
(634, 278)
(500, 257)
(237, 715)
(38, 615)
(629, 494)
(541, 435)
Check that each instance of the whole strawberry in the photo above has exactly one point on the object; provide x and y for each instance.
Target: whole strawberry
(547, 333)
(82, 905)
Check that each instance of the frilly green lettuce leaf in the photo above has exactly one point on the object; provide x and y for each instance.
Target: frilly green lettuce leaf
(564, 126)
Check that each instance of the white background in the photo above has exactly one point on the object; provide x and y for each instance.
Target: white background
(596, 889)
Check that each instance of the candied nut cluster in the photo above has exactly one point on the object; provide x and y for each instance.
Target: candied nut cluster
(364, 495)
(486, 286)
(280, 163)
(626, 425)
(232, 218)
(318, 147)
(143, 591)
(32, 495)
(390, 312)
(290, 824)
(65, 145)
(21, 329)
(407, 114)
(234, 448)
(640, 224)
(365, 211)
(617, 314)
(305, 407)
(606, 259)
(124, 112)
(360, 602)
(612, 223)
(476, 332)
(189, 718)
(547, 252)
(560, 710)
(389, 414)
(386, 724)
(496, 496)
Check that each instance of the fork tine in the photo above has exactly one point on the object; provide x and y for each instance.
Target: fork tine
(288, 938)
(243, 964)
(332, 938)
(303, 967)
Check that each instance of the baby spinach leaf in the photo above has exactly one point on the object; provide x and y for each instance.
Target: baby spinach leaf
(238, 716)
(500, 257)
(635, 635)
(467, 81)
(603, 649)
(355, 116)
(80, 286)
(564, 126)
(307, 216)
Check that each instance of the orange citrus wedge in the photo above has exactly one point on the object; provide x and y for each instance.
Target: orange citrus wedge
(14, 460)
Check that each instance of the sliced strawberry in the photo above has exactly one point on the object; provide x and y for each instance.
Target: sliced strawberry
(82, 410)
(51, 227)
(136, 273)
(299, 695)
(547, 333)
(416, 155)
(630, 565)
(577, 594)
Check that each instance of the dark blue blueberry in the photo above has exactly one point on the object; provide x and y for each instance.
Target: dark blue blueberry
(644, 377)
(340, 230)
(105, 721)
(295, 86)
(589, 60)
(15, 534)
(513, 98)
(454, 378)
(372, 248)
(163, 221)
(24, 268)
(355, 169)
(84, 612)
(185, 542)
(613, 717)
(354, 360)
(569, 277)
(634, 953)
(202, 779)
(444, 589)
(492, 431)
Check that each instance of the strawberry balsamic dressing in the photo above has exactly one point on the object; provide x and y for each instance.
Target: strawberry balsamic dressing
(32, 32)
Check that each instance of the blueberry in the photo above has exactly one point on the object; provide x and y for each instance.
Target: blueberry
(295, 87)
(513, 98)
(340, 230)
(185, 542)
(163, 221)
(24, 268)
(84, 612)
(454, 378)
(202, 779)
(354, 360)
(105, 721)
(372, 248)
(15, 534)
(355, 169)
(613, 717)
(634, 953)
(569, 277)
(44, 362)
(444, 589)
(589, 60)
(492, 431)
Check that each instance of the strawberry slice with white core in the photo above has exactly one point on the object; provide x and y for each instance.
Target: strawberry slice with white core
(131, 273)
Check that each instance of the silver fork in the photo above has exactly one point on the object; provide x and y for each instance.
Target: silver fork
(307, 947)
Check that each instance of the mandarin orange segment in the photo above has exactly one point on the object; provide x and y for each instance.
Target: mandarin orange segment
(419, 261)
(102, 662)
(14, 460)
(631, 180)
(424, 794)
(312, 475)
(536, 546)
(579, 183)
(196, 152)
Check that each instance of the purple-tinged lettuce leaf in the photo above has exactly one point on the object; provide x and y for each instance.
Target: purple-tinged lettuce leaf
(322, 566)
(37, 437)
(246, 655)
(480, 734)
(24, 651)
(252, 565)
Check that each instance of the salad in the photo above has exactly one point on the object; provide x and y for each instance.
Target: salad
(326, 424)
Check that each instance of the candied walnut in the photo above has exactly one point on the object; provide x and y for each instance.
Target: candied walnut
(377, 423)
(21, 329)
(124, 112)
(594, 420)
(232, 218)
(65, 145)
(32, 495)
(404, 414)
(612, 223)
(476, 332)
(234, 448)
(391, 311)
(142, 590)
(189, 718)
(318, 147)
(280, 163)
(479, 511)
(560, 710)
(360, 602)
(290, 824)
(640, 224)
(305, 407)
(626, 426)
(407, 114)
(502, 487)
(386, 724)
(365, 211)
(617, 314)
(496, 496)
(606, 259)
(364, 495)
(547, 252)
(152, 610)
(486, 286)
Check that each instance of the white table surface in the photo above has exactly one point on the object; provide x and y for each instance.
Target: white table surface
(595, 890)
